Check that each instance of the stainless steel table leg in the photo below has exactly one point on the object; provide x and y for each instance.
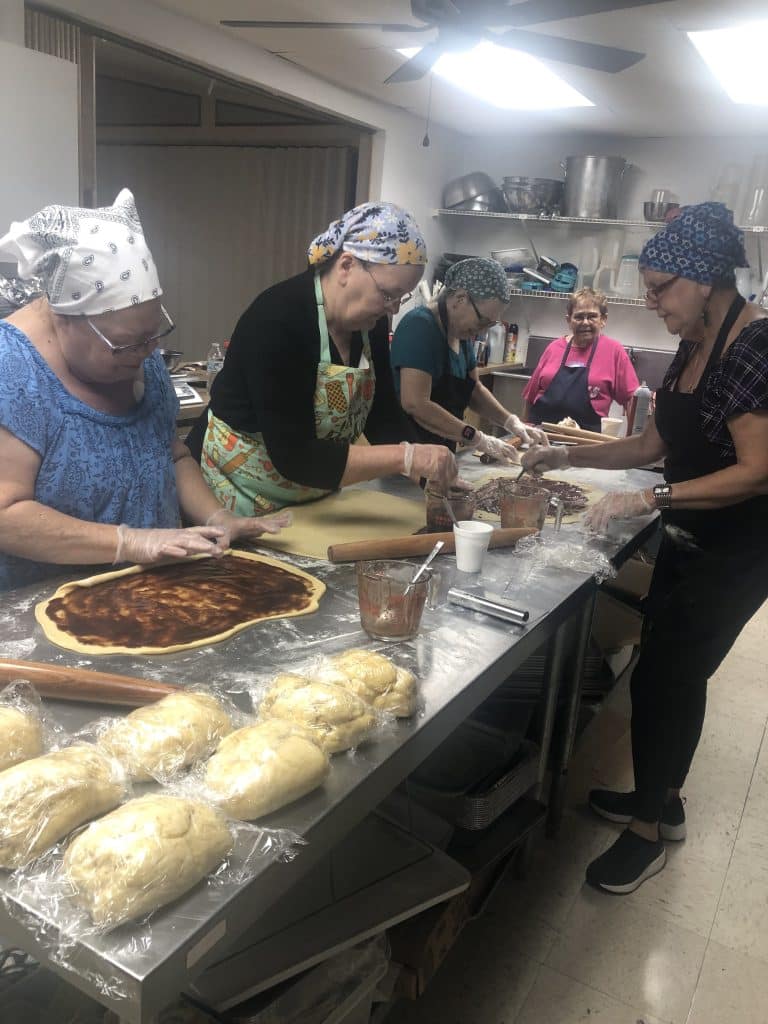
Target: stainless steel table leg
(572, 695)
(552, 675)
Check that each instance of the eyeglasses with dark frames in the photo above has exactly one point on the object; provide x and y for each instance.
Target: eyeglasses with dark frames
(386, 298)
(482, 320)
(653, 292)
(152, 339)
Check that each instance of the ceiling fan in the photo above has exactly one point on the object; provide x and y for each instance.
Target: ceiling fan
(461, 23)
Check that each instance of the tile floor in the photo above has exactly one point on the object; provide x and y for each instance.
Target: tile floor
(690, 946)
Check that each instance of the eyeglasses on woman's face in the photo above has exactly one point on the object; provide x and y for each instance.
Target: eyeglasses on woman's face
(654, 291)
(388, 300)
(590, 316)
(151, 339)
(482, 319)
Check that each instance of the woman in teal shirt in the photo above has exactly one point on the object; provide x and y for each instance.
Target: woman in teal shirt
(434, 366)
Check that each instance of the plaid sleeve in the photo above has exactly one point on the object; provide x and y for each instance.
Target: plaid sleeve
(740, 382)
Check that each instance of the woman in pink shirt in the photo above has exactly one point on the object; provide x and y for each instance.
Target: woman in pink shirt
(580, 374)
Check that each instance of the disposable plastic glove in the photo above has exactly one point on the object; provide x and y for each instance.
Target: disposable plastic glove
(431, 461)
(527, 434)
(147, 546)
(246, 527)
(623, 505)
(495, 448)
(540, 458)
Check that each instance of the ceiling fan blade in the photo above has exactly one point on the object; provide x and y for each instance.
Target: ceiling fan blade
(537, 12)
(418, 65)
(569, 51)
(390, 27)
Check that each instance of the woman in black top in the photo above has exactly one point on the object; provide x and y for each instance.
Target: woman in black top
(711, 574)
(307, 373)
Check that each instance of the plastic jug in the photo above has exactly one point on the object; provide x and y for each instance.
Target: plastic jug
(589, 260)
(626, 280)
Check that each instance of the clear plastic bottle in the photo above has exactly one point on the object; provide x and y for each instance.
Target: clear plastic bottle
(214, 363)
(641, 404)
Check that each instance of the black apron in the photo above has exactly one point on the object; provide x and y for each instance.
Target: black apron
(691, 455)
(450, 392)
(568, 395)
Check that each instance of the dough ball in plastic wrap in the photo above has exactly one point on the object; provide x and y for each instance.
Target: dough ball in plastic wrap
(21, 736)
(44, 799)
(375, 679)
(263, 767)
(162, 738)
(143, 855)
(336, 718)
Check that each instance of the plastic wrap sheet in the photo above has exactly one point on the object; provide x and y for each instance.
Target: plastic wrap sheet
(27, 728)
(337, 719)
(542, 552)
(113, 876)
(160, 740)
(262, 767)
(43, 799)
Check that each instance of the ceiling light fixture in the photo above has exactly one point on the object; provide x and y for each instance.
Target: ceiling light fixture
(736, 57)
(506, 78)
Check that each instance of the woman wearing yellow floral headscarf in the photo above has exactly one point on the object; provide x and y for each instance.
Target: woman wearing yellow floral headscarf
(307, 373)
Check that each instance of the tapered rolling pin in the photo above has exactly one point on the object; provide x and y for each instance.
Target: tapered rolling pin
(555, 428)
(65, 683)
(569, 438)
(416, 544)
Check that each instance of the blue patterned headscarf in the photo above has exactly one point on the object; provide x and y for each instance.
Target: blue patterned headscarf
(702, 244)
(375, 233)
(482, 278)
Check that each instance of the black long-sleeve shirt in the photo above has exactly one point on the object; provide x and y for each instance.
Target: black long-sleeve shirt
(268, 381)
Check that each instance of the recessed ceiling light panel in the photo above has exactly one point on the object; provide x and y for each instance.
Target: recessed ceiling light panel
(736, 57)
(506, 78)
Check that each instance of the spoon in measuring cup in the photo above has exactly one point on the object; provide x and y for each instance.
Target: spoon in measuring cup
(435, 551)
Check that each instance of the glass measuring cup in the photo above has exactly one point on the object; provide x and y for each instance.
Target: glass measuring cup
(386, 611)
(524, 505)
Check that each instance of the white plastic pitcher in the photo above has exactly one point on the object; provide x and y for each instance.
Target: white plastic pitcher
(626, 280)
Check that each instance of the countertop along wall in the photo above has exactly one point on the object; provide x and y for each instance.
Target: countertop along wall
(689, 167)
(402, 171)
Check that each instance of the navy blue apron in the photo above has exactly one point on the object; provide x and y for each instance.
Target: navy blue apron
(450, 392)
(568, 395)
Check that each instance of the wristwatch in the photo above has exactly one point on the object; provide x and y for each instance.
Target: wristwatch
(468, 434)
(662, 496)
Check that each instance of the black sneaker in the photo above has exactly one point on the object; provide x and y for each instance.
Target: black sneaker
(626, 865)
(620, 807)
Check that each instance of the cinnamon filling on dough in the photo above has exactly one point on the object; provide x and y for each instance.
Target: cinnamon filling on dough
(181, 603)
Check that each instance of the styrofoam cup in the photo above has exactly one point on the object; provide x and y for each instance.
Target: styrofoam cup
(472, 540)
(611, 425)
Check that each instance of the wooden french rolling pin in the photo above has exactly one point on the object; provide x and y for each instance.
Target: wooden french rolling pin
(555, 428)
(415, 544)
(65, 683)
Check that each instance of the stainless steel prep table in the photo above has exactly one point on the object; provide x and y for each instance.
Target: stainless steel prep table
(460, 659)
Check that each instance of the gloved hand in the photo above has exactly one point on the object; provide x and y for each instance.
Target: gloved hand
(540, 458)
(527, 434)
(432, 461)
(147, 546)
(236, 527)
(622, 505)
(495, 447)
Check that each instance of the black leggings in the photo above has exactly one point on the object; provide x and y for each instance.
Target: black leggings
(698, 603)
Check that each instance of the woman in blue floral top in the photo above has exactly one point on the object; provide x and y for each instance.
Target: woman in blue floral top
(91, 471)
